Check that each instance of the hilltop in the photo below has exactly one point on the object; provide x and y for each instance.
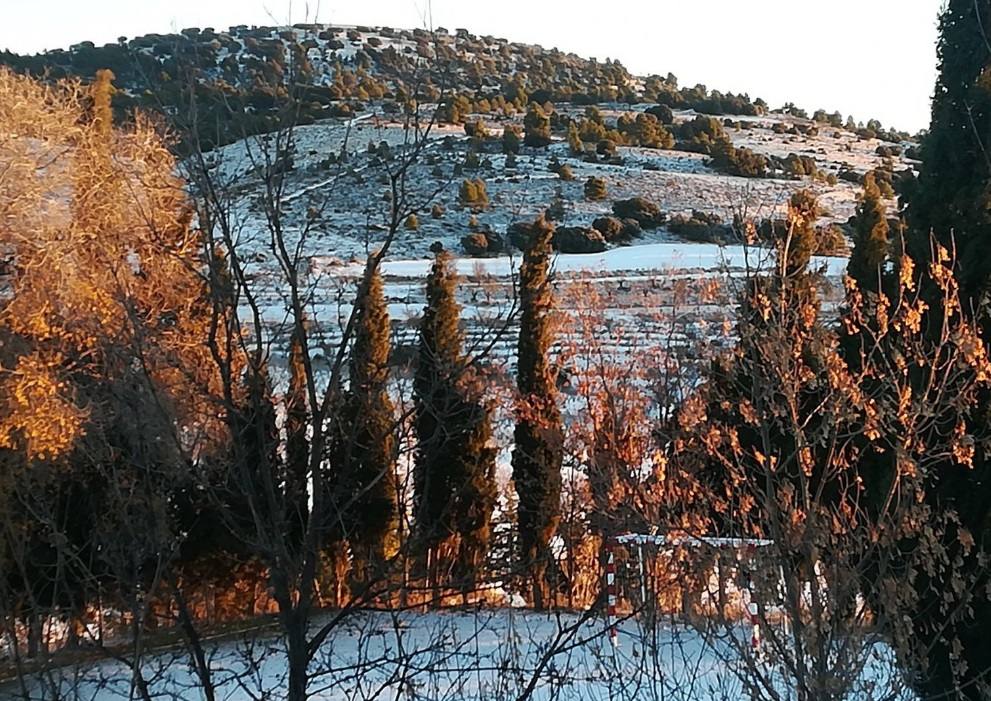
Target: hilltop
(239, 76)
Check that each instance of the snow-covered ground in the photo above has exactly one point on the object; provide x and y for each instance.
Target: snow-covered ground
(485, 654)
(662, 259)
(347, 203)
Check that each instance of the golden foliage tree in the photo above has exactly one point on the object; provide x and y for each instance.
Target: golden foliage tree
(105, 267)
(105, 374)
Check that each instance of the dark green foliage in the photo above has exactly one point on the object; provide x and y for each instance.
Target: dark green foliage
(539, 437)
(951, 200)
(850, 176)
(575, 143)
(297, 444)
(454, 109)
(510, 140)
(606, 148)
(663, 114)
(473, 194)
(475, 244)
(834, 120)
(701, 135)
(609, 227)
(799, 166)
(595, 188)
(476, 129)
(701, 227)
(794, 111)
(952, 197)
(472, 160)
(563, 170)
(364, 447)
(828, 239)
(615, 230)
(244, 92)
(578, 239)
(870, 238)
(885, 180)
(644, 130)
(521, 233)
(831, 240)
(665, 91)
(798, 243)
(557, 209)
(482, 243)
(537, 127)
(796, 238)
(629, 229)
(591, 131)
(454, 469)
(645, 212)
(741, 162)
(255, 442)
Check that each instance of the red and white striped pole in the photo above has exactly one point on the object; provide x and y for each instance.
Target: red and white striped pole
(611, 592)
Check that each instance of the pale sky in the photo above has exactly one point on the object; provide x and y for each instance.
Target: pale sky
(871, 58)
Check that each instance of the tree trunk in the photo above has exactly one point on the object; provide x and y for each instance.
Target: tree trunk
(297, 650)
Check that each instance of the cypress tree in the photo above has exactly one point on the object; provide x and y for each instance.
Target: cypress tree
(297, 443)
(438, 361)
(952, 198)
(475, 485)
(454, 469)
(366, 445)
(776, 310)
(575, 140)
(95, 181)
(254, 484)
(101, 93)
(539, 438)
(798, 243)
(870, 238)
(951, 201)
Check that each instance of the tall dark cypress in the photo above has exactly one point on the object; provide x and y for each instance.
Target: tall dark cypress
(475, 485)
(297, 443)
(952, 197)
(454, 469)
(951, 201)
(254, 486)
(539, 436)
(365, 445)
(870, 238)
(439, 361)
(796, 246)
(775, 312)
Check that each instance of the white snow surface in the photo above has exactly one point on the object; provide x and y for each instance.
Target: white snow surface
(658, 257)
(467, 655)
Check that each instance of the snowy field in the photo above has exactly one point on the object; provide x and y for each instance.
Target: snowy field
(346, 202)
(471, 656)
(663, 259)
(653, 289)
